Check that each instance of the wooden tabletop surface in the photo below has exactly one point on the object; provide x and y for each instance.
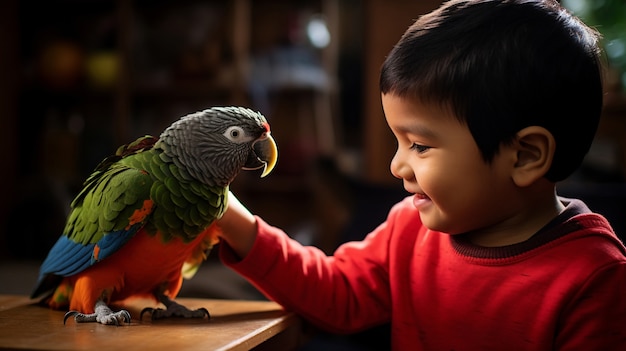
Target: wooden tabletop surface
(234, 325)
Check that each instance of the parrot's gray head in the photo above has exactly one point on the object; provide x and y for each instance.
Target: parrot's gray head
(215, 144)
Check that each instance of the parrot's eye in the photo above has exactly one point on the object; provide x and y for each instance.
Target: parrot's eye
(236, 135)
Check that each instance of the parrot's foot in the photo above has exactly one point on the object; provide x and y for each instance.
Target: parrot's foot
(175, 310)
(103, 315)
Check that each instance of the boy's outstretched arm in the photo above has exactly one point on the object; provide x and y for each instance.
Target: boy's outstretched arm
(344, 293)
(239, 227)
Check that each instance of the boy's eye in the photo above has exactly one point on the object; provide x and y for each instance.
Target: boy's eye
(420, 148)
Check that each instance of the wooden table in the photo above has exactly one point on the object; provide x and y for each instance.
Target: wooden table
(234, 325)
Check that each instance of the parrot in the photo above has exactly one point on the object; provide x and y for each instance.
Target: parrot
(145, 218)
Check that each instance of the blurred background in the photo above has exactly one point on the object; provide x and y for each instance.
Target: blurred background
(81, 77)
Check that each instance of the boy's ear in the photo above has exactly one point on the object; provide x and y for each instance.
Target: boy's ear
(534, 147)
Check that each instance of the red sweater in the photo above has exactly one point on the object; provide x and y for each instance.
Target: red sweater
(563, 289)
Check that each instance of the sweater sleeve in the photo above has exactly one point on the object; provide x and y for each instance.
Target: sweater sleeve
(343, 293)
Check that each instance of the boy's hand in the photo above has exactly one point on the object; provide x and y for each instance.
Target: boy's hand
(238, 226)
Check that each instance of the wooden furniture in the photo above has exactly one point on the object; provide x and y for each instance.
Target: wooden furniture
(234, 325)
(380, 35)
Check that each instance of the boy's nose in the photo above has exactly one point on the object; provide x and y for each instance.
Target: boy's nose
(398, 168)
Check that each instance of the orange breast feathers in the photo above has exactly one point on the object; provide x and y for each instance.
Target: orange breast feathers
(137, 269)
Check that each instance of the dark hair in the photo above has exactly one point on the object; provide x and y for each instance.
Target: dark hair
(503, 65)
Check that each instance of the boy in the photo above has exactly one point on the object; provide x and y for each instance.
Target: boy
(492, 102)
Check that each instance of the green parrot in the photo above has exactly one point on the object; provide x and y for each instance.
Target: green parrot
(146, 216)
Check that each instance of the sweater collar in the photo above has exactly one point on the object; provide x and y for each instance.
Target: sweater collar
(559, 226)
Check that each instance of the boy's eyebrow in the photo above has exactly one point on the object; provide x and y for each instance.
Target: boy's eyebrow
(417, 129)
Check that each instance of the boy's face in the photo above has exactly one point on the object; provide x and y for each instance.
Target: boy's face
(456, 191)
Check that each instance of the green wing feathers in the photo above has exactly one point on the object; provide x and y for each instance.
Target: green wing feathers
(140, 185)
(183, 207)
(109, 202)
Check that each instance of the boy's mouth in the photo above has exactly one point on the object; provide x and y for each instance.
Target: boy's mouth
(419, 200)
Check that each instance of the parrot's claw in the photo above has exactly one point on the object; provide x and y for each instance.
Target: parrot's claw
(175, 310)
(78, 317)
(114, 318)
(103, 315)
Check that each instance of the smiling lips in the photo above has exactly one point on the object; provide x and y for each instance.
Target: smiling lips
(420, 200)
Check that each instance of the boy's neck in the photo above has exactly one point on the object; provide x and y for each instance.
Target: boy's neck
(535, 212)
